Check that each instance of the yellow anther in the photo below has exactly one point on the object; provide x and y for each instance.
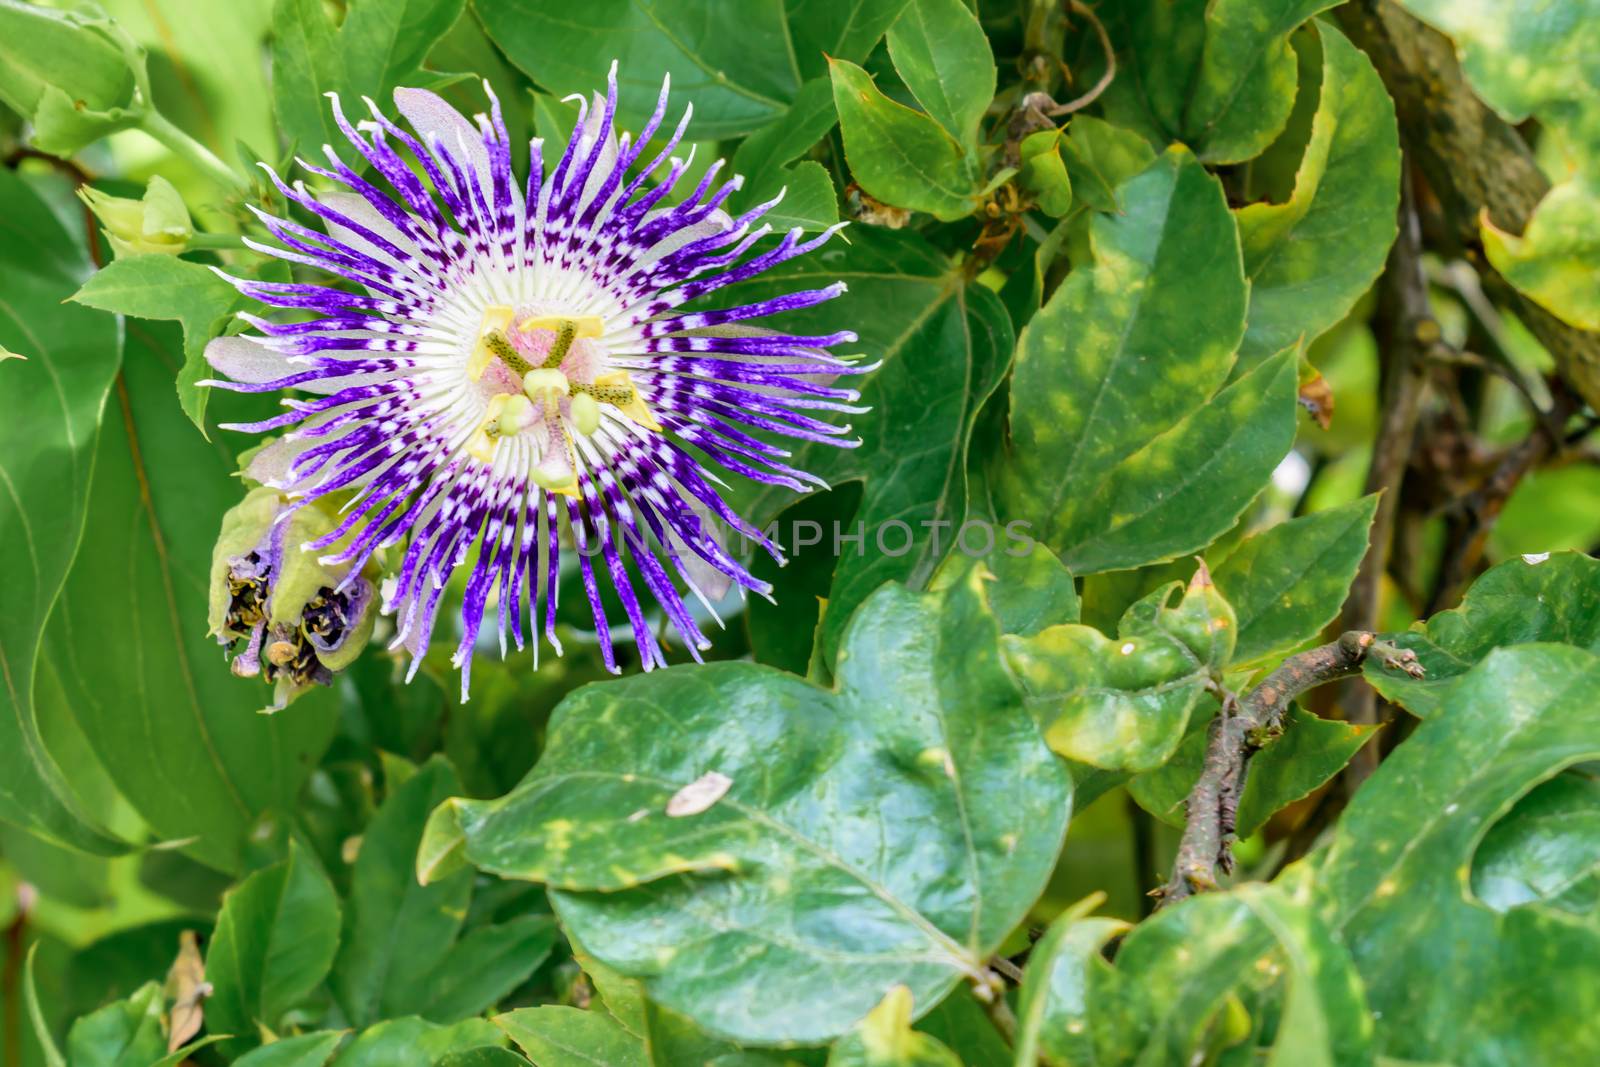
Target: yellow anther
(583, 326)
(585, 413)
(481, 446)
(565, 483)
(496, 320)
(515, 415)
(617, 389)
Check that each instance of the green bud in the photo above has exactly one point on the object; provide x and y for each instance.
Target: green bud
(278, 609)
(159, 223)
(75, 75)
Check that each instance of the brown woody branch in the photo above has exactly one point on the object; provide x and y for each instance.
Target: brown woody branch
(1238, 733)
(1473, 160)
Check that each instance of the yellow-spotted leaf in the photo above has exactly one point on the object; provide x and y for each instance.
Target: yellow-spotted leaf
(854, 849)
(1310, 258)
(1124, 703)
(1127, 447)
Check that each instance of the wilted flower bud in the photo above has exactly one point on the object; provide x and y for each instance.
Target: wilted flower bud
(158, 223)
(280, 612)
(74, 74)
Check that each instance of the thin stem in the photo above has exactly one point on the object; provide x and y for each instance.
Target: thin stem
(219, 241)
(1236, 734)
(158, 126)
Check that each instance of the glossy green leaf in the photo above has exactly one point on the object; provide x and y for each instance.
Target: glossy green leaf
(380, 45)
(849, 853)
(941, 52)
(1188, 984)
(945, 347)
(1055, 1016)
(273, 944)
(1447, 976)
(1123, 451)
(413, 1042)
(1546, 849)
(1309, 259)
(1310, 751)
(1557, 256)
(730, 59)
(1289, 581)
(1124, 703)
(47, 449)
(899, 155)
(884, 1038)
(483, 967)
(302, 1050)
(1518, 602)
(177, 733)
(554, 1036)
(165, 287)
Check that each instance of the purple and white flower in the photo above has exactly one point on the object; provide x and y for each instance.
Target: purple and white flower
(521, 378)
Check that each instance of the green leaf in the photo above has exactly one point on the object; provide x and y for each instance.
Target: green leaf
(70, 356)
(1310, 751)
(176, 732)
(1521, 601)
(1217, 75)
(1044, 175)
(164, 287)
(787, 137)
(379, 46)
(398, 932)
(125, 1033)
(964, 1025)
(303, 1050)
(1055, 1014)
(482, 1056)
(1193, 981)
(1029, 591)
(898, 155)
(1123, 704)
(41, 1029)
(413, 1042)
(1100, 157)
(885, 1039)
(1528, 59)
(1245, 87)
(1288, 582)
(207, 73)
(721, 55)
(1123, 452)
(850, 852)
(1547, 849)
(483, 967)
(1448, 977)
(809, 199)
(1556, 258)
(273, 944)
(838, 29)
(945, 347)
(1311, 258)
(943, 55)
(555, 1036)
